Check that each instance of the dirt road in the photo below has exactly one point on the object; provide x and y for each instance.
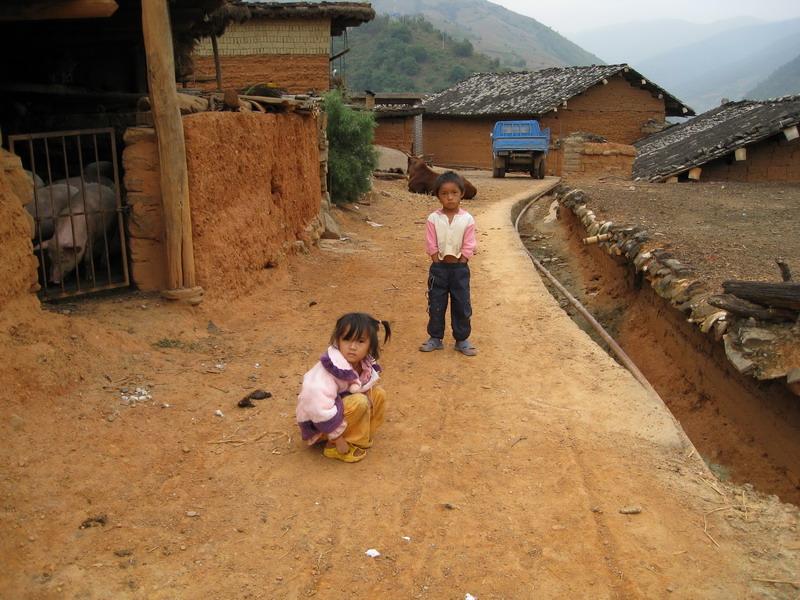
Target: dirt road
(501, 476)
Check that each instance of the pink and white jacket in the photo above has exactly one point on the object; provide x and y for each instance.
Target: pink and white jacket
(445, 237)
(319, 405)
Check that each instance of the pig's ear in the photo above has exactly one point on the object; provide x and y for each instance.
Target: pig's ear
(43, 246)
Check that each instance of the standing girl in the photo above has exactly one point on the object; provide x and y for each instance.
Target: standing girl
(339, 401)
(451, 242)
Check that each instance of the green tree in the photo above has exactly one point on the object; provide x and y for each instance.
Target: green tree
(458, 73)
(351, 156)
(463, 48)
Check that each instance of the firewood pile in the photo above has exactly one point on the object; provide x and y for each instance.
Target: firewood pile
(758, 322)
(231, 100)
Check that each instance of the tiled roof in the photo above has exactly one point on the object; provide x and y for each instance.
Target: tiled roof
(535, 93)
(350, 13)
(713, 134)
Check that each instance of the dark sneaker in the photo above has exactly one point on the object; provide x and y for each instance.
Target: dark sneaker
(431, 345)
(466, 348)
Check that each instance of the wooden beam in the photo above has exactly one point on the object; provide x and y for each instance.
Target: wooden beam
(694, 174)
(785, 294)
(744, 308)
(740, 154)
(43, 10)
(171, 145)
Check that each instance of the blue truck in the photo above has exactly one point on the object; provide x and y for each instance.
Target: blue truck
(519, 146)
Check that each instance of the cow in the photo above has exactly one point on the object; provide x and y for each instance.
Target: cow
(421, 178)
(80, 227)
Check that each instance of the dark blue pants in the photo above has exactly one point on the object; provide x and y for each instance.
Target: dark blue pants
(449, 280)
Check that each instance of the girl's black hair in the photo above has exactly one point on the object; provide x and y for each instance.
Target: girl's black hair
(448, 177)
(356, 325)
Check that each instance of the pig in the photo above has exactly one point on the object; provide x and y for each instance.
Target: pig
(92, 216)
(47, 202)
(37, 181)
(95, 172)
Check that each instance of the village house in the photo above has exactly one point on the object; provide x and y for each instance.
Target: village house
(283, 44)
(198, 190)
(398, 118)
(748, 140)
(612, 101)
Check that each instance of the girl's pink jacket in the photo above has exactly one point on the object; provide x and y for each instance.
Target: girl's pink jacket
(319, 405)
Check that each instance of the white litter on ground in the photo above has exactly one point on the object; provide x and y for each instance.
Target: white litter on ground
(372, 553)
(406, 538)
(219, 413)
(470, 597)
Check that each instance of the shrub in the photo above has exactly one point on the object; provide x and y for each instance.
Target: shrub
(351, 157)
(463, 48)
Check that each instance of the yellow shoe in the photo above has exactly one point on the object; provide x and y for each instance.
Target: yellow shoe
(354, 454)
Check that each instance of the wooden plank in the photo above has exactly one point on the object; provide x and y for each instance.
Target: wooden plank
(740, 154)
(785, 294)
(42, 10)
(171, 145)
(791, 133)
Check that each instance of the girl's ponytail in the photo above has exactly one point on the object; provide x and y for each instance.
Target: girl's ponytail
(387, 331)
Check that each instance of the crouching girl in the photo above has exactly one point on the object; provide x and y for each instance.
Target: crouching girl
(339, 401)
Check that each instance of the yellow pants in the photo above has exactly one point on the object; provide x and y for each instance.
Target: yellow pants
(364, 414)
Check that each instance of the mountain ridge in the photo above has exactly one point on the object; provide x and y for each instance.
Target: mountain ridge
(515, 40)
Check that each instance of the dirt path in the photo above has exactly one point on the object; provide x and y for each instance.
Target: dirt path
(500, 476)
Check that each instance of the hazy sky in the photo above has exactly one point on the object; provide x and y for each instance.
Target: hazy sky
(569, 16)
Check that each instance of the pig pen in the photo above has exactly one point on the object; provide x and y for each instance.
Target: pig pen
(254, 188)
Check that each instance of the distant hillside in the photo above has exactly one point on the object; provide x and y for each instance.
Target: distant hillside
(515, 40)
(408, 54)
(637, 41)
(783, 82)
(726, 65)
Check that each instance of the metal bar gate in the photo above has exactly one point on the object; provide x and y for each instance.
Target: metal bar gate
(77, 209)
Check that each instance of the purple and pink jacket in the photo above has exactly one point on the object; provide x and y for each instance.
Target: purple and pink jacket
(319, 405)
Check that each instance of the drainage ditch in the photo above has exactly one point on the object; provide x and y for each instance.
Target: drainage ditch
(746, 431)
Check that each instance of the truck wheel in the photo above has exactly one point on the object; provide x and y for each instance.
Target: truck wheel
(499, 171)
(540, 170)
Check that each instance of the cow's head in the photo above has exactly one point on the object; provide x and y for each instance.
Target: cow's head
(415, 163)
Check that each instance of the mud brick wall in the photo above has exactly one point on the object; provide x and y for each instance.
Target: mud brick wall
(590, 159)
(296, 73)
(774, 159)
(18, 265)
(617, 111)
(397, 133)
(458, 142)
(292, 54)
(254, 188)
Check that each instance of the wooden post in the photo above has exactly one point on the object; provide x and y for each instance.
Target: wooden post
(791, 133)
(694, 174)
(217, 67)
(740, 154)
(171, 147)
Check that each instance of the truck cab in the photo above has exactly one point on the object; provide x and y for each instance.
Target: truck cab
(519, 146)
